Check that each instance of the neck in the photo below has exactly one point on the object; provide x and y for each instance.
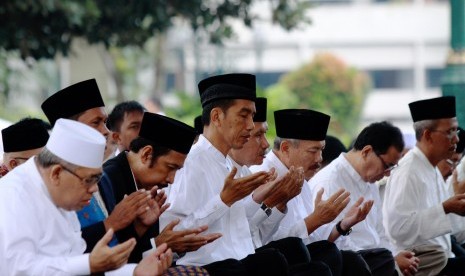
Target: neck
(427, 151)
(354, 160)
(216, 139)
(132, 160)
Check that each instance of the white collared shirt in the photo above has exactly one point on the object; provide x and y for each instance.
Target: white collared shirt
(195, 199)
(36, 237)
(368, 233)
(412, 211)
(293, 224)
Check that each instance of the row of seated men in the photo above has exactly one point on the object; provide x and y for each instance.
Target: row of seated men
(173, 202)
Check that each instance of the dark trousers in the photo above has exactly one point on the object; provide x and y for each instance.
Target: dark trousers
(265, 262)
(457, 248)
(455, 266)
(288, 256)
(380, 261)
(300, 261)
(354, 264)
(328, 253)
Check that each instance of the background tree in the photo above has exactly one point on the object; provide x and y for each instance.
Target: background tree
(328, 85)
(41, 29)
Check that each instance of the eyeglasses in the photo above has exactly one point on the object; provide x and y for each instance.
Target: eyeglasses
(387, 167)
(88, 181)
(450, 134)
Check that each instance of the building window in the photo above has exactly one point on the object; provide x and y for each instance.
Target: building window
(433, 77)
(392, 78)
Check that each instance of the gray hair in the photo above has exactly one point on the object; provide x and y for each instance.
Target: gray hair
(278, 140)
(423, 125)
(46, 159)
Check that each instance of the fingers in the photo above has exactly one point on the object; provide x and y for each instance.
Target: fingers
(342, 198)
(171, 225)
(232, 174)
(319, 195)
(106, 238)
(358, 202)
(334, 196)
(164, 208)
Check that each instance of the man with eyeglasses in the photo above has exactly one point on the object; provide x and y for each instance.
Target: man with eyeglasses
(83, 102)
(39, 230)
(417, 209)
(302, 216)
(374, 155)
(21, 141)
(447, 166)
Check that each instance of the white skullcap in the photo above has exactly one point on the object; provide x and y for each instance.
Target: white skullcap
(77, 143)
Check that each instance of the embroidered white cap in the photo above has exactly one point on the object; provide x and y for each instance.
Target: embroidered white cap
(77, 143)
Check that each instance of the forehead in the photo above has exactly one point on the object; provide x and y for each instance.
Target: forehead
(174, 157)
(393, 155)
(448, 123)
(93, 113)
(134, 115)
(243, 105)
(260, 127)
(307, 144)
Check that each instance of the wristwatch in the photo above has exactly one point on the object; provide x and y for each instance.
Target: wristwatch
(266, 209)
(342, 232)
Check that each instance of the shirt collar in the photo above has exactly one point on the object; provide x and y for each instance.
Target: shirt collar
(281, 169)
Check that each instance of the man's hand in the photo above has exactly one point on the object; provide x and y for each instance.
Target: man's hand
(185, 240)
(156, 263)
(237, 189)
(407, 262)
(459, 187)
(455, 204)
(287, 187)
(103, 258)
(356, 213)
(151, 215)
(328, 210)
(127, 210)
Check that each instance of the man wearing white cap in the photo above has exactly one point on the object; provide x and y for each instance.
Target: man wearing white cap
(39, 232)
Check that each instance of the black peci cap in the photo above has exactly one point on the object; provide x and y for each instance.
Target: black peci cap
(72, 100)
(301, 124)
(27, 134)
(432, 109)
(229, 86)
(167, 132)
(260, 106)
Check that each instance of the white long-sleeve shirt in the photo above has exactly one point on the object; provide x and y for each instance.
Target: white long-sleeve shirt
(293, 224)
(262, 226)
(368, 233)
(412, 211)
(195, 199)
(36, 237)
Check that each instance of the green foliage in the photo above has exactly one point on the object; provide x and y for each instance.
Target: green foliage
(43, 28)
(188, 108)
(328, 85)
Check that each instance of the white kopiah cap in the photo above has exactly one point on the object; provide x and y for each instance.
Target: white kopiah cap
(77, 143)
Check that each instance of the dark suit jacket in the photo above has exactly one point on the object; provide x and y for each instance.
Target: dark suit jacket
(118, 180)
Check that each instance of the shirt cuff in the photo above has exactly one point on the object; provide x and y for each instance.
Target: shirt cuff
(79, 265)
(125, 270)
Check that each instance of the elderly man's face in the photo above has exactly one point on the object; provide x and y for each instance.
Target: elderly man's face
(96, 118)
(237, 123)
(308, 155)
(444, 138)
(254, 150)
(75, 187)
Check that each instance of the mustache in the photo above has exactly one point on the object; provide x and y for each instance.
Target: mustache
(316, 166)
